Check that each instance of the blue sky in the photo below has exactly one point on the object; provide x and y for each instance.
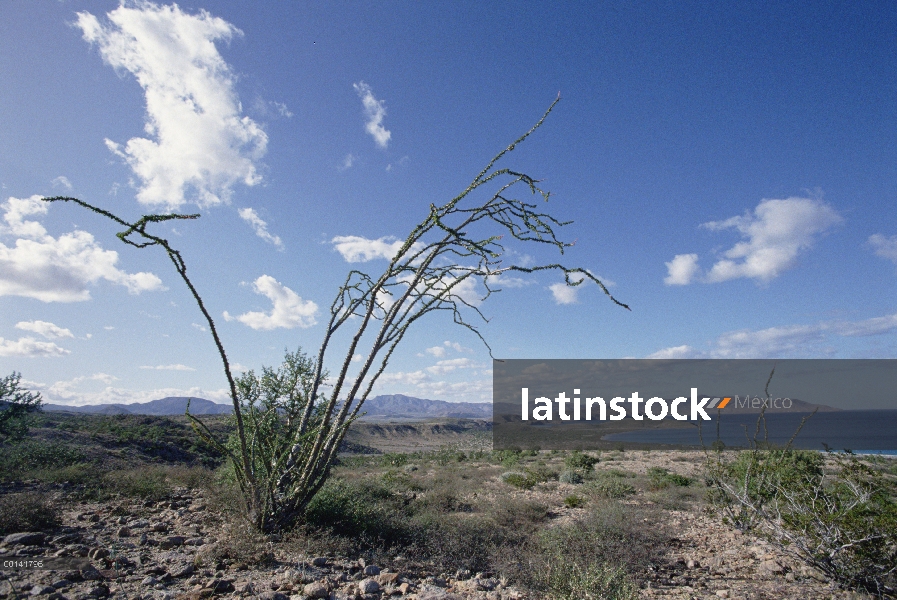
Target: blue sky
(731, 172)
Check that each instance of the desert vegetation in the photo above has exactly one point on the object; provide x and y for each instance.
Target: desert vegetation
(606, 524)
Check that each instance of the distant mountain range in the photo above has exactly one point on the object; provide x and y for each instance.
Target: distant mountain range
(395, 406)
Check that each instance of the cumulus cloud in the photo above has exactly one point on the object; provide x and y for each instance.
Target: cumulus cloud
(773, 237)
(177, 367)
(289, 310)
(261, 227)
(375, 111)
(28, 347)
(199, 144)
(45, 329)
(682, 270)
(440, 351)
(354, 248)
(99, 389)
(437, 351)
(884, 247)
(57, 269)
(788, 341)
(451, 364)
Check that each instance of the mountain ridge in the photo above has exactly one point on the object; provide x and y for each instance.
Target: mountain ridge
(378, 407)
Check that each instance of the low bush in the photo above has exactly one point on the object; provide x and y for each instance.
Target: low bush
(574, 501)
(660, 478)
(27, 511)
(580, 461)
(573, 477)
(840, 519)
(19, 460)
(518, 479)
(609, 487)
(148, 483)
(597, 556)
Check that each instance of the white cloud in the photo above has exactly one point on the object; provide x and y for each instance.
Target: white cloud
(57, 269)
(375, 111)
(261, 228)
(774, 235)
(564, 294)
(177, 367)
(507, 281)
(200, 143)
(682, 270)
(867, 327)
(884, 247)
(449, 365)
(440, 351)
(62, 181)
(44, 328)
(789, 341)
(83, 390)
(238, 368)
(289, 309)
(198, 327)
(403, 377)
(675, 352)
(355, 248)
(348, 162)
(28, 347)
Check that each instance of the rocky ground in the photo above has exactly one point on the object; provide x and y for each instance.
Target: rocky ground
(173, 549)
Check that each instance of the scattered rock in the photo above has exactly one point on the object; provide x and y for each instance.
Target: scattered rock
(123, 532)
(368, 586)
(316, 589)
(319, 561)
(371, 570)
(42, 590)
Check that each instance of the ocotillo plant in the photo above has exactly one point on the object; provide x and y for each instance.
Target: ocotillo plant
(286, 447)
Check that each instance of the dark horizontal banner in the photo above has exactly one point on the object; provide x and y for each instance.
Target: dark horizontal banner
(562, 404)
(43, 563)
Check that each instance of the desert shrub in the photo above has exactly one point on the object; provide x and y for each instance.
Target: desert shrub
(393, 459)
(360, 508)
(597, 556)
(841, 520)
(27, 511)
(29, 456)
(148, 483)
(518, 479)
(17, 406)
(542, 473)
(574, 501)
(609, 487)
(580, 461)
(569, 476)
(80, 474)
(194, 477)
(517, 514)
(660, 478)
(454, 541)
(445, 456)
(508, 458)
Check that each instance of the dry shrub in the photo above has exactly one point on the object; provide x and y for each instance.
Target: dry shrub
(596, 556)
(28, 511)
